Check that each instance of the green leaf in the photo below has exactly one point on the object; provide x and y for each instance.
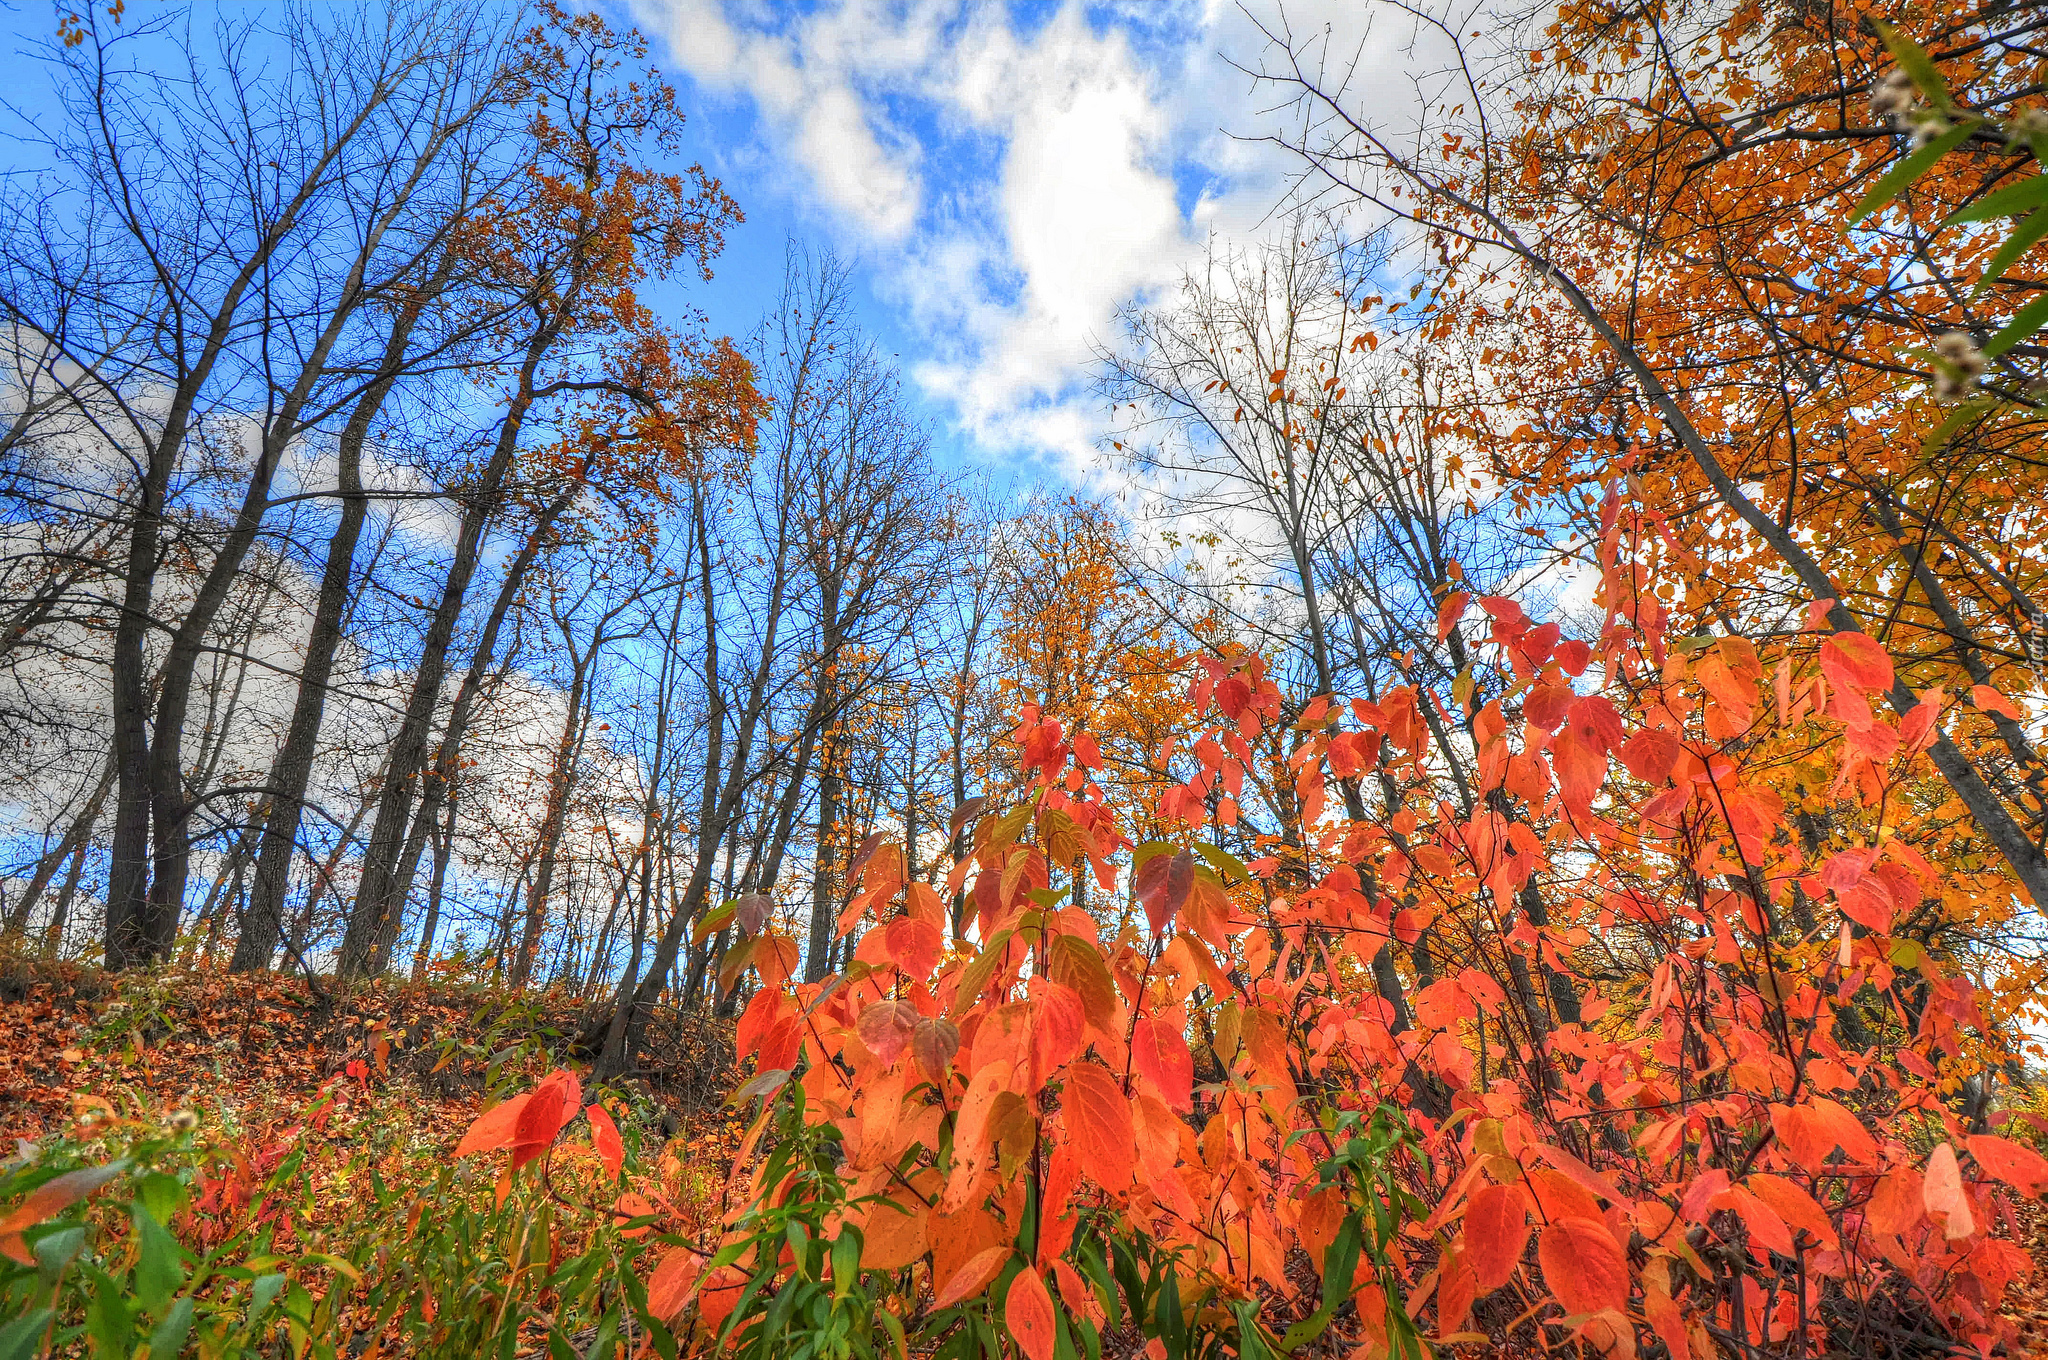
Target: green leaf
(845, 1261)
(1955, 420)
(159, 1264)
(713, 921)
(2023, 325)
(1225, 862)
(109, 1317)
(1148, 850)
(56, 1250)
(1911, 168)
(976, 975)
(1340, 1262)
(894, 1327)
(264, 1292)
(336, 1264)
(22, 1339)
(169, 1337)
(2029, 193)
(1917, 64)
(162, 1195)
(2016, 245)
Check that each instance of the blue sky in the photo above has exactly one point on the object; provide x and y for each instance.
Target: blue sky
(1002, 176)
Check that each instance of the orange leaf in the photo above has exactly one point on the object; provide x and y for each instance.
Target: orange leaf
(604, 1139)
(1661, 1311)
(1991, 701)
(51, 1197)
(1028, 1315)
(972, 1147)
(2024, 1169)
(1496, 1232)
(1895, 1203)
(914, 945)
(1098, 1117)
(1058, 1030)
(1160, 1053)
(1579, 768)
(1450, 611)
(495, 1128)
(1795, 1206)
(668, 1289)
(1766, 1226)
(1856, 659)
(1583, 1266)
(973, 1277)
(629, 1207)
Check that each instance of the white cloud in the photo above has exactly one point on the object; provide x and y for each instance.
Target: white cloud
(1010, 184)
(802, 81)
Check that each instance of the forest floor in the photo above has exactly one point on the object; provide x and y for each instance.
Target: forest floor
(149, 1044)
(250, 1049)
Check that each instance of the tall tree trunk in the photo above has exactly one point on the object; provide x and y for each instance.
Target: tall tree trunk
(53, 937)
(444, 846)
(375, 918)
(720, 801)
(292, 770)
(68, 848)
(561, 780)
(824, 875)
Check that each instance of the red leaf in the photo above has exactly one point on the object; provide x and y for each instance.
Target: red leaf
(1455, 1290)
(604, 1138)
(972, 1277)
(1448, 613)
(1160, 1053)
(1163, 885)
(554, 1104)
(1991, 701)
(1650, 755)
(668, 1289)
(1795, 1206)
(914, 945)
(1098, 1118)
(2024, 1169)
(1583, 1266)
(1547, 706)
(933, 1043)
(1028, 1315)
(752, 911)
(1496, 1232)
(886, 1026)
(1856, 660)
(495, 1128)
